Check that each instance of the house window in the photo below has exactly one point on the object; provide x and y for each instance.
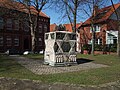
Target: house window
(9, 24)
(100, 41)
(96, 41)
(114, 40)
(16, 24)
(16, 41)
(40, 28)
(1, 40)
(96, 28)
(91, 29)
(9, 41)
(45, 28)
(26, 26)
(1, 23)
(39, 41)
(46, 20)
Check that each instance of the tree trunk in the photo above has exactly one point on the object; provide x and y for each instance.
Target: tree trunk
(75, 15)
(33, 38)
(93, 39)
(93, 42)
(118, 45)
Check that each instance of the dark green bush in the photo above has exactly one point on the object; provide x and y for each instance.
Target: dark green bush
(99, 47)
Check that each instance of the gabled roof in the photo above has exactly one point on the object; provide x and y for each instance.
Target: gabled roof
(52, 27)
(102, 14)
(20, 7)
(67, 26)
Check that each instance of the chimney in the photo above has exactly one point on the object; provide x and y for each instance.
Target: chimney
(95, 10)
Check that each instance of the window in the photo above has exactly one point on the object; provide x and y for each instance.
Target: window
(1, 40)
(39, 41)
(45, 28)
(46, 20)
(91, 29)
(114, 41)
(9, 41)
(111, 39)
(16, 41)
(96, 41)
(1, 23)
(26, 26)
(40, 28)
(96, 28)
(16, 24)
(9, 24)
(89, 41)
(100, 41)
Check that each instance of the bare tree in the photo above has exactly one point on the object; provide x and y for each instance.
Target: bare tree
(69, 9)
(33, 9)
(90, 8)
(118, 19)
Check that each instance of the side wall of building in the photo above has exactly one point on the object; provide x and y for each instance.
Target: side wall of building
(15, 31)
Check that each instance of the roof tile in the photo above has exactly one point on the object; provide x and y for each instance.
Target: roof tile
(20, 7)
(102, 14)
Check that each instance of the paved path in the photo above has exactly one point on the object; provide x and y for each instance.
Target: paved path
(37, 67)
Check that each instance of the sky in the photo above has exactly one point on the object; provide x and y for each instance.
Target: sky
(55, 17)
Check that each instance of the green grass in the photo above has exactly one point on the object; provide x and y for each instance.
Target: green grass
(10, 68)
(102, 59)
(35, 56)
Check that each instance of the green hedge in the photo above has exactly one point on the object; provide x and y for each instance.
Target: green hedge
(99, 47)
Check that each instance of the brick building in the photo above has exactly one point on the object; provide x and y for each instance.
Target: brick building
(105, 25)
(67, 26)
(15, 30)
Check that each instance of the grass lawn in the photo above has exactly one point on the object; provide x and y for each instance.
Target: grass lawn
(10, 68)
(35, 56)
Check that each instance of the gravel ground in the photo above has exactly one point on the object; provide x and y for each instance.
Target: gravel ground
(37, 66)
(16, 84)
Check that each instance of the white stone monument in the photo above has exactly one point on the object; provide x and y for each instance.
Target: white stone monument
(60, 48)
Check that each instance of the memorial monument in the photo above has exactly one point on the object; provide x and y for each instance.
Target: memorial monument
(60, 48)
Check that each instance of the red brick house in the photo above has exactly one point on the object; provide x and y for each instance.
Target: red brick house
(105, 25)
(67, 26)
(15, 30)
(52, 27)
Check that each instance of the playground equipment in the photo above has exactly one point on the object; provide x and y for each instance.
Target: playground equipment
(60, 48)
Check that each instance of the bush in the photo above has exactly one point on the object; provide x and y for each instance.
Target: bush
(99, 47)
